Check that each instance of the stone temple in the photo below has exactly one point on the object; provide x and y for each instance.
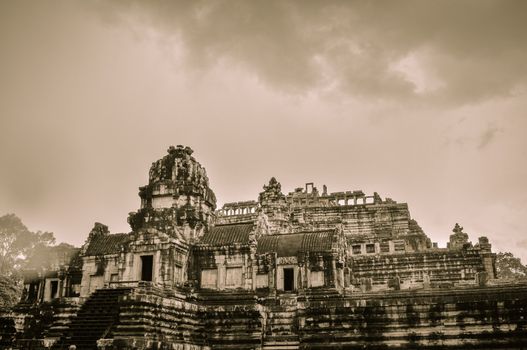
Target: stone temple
(310, 269)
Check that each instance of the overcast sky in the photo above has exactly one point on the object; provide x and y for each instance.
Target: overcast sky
(421, 101)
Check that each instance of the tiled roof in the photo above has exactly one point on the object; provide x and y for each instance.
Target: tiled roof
(106, 244)
(228, 234)
(292, 244)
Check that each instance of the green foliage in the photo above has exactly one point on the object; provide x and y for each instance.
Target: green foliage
(17, 243)
(510, 267)
(49, 257)
(10, 289)
(20, 249)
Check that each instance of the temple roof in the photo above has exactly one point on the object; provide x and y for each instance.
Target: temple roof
(106, 244)
(292, 244)
(228, 234)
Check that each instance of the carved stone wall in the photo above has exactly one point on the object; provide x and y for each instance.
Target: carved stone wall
(436, 267)
(476, 318)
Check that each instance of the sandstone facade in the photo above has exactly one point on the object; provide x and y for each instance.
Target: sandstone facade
(308, 269)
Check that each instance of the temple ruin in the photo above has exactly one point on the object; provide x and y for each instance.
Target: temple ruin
(309, 269)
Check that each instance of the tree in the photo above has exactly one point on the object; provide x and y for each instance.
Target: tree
(49, 257)
(10, 289)
(508, 266)
(17, 243)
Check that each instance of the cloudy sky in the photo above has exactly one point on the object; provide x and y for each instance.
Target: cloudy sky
(421, 101)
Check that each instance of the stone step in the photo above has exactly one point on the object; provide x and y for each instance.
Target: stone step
(281, 331)
(279, 309)
(281, 345)
(281, 314)
(94, 317)
(280, 321)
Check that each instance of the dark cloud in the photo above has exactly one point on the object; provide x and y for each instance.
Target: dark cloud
(465, 51)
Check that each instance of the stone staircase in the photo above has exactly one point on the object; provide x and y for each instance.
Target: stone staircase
(93, 321)
(64, 312)
(281, 328)
(232, 320)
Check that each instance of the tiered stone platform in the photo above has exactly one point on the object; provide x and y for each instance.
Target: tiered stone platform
(475, 318)
(148, 317)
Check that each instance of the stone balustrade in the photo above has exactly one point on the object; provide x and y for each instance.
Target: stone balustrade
(238, 208)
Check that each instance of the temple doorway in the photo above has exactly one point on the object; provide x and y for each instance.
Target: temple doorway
(54, 289)
(289, 279)
(33, 292)
(147, 264)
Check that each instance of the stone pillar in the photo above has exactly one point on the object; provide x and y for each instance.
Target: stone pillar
(41, 289)
(221, 273)
(157, 275)
(302, 278)
(253, 271)
(481, 278)
(272, 279)
(341, 278)
(298, 277)
(333, 282)
(489, 265)
(60, 286)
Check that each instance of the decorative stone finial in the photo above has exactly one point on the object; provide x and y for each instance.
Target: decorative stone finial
(457, 229)
(273, 185)
(179, 150)
(272, 192)
(459, 239)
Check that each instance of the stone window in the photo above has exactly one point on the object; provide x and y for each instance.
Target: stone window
(399, 246)
(370, 248)
(356, 249)
(233, 277)
(209, 278)
(385, 247)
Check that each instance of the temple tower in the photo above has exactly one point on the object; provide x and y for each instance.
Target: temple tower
(177, 199)
(274, 207)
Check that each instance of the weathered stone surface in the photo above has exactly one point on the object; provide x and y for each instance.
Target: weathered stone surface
(306, 270)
